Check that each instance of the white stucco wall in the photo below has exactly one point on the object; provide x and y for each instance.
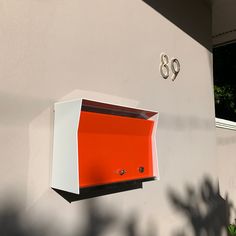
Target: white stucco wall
(108, 51)
(226, 146)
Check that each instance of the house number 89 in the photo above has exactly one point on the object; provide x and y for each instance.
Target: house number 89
(164, 67)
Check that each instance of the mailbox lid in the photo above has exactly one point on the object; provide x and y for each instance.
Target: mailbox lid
(109, 145)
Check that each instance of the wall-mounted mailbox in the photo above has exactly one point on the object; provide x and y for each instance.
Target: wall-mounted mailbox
(97, 144)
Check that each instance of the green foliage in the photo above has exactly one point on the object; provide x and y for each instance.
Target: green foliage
(225, 95)
(225, 82)
(225, 102)
(232, 229)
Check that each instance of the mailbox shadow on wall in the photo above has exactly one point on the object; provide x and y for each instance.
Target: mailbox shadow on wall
(102, 148)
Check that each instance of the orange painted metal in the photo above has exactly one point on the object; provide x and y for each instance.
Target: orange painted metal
(113, 149)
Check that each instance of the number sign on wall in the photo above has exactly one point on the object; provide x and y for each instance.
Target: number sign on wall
(165, 67)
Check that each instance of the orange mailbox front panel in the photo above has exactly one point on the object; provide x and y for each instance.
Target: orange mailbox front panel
(98, 144)
(113, 148)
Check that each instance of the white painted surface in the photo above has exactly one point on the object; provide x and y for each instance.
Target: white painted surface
(226, 162)
(65, 173)
(154, 147)
(226, 124)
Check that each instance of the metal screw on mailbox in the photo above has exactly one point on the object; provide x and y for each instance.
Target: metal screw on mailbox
(122, 172)
(141, 169)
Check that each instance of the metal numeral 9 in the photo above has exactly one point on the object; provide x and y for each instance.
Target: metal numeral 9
(175, 67)
(164, 68)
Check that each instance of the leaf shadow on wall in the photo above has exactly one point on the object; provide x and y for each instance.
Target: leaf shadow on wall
(208, 214)
(99, 221)
(11, 223)
(131, 227)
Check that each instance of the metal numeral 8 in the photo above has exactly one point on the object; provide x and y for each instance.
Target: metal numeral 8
(164, 68)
